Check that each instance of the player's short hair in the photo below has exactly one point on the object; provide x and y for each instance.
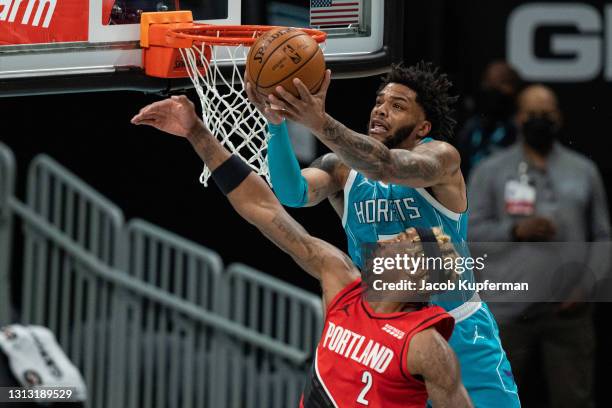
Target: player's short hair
(432, 94)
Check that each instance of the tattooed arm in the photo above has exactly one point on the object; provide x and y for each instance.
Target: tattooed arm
(254, 200)
(326, 177)
(426, 165)
(256, 203)
(430, 356)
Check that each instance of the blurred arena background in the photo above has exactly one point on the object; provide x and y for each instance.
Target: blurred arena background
(566, 45)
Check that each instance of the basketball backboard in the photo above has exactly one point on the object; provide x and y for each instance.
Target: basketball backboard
(53, 46)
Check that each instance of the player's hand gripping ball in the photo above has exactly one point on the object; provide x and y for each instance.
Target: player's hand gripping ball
(281, 55)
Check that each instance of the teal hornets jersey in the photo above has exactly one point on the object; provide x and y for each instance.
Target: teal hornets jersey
(375, 211)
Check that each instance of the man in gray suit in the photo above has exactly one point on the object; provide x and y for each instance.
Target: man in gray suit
(537, 191)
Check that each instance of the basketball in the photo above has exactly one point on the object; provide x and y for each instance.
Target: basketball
(281, 55)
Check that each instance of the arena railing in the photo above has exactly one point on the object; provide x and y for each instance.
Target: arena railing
(146, 315)
(277, 310)
(60, 290)
(171, 354)
(7, 189)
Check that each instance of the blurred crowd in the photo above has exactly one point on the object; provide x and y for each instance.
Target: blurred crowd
(524, 186)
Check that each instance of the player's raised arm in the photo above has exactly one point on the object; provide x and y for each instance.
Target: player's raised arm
(250, 195)
(292, 186)
(426, 165)
(430, 356)
(411, 104)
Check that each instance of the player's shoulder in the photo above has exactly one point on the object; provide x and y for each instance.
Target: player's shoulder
(347, 294)
(430, 355)
(432, 317)
(427, 341)
(440, 148)
(442, 145)
(331, 164)
(426, 346)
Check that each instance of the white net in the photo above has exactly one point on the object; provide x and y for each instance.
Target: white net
(226, 110)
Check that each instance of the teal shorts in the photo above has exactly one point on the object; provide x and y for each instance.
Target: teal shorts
(485, 369)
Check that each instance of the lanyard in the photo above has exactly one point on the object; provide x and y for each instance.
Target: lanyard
(523, 176)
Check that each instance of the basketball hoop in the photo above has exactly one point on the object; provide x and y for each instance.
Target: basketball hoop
(176, 47)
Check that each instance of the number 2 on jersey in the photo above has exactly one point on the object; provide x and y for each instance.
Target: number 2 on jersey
(366, 378)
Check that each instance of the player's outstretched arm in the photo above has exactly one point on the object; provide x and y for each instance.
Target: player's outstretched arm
(292, 186)
(251, 197)
(426, 165)
(430, 356)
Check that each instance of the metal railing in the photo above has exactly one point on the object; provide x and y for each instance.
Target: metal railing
(277, 310)
(162, 340)
(61, 290)
(149, 318)
(7, 189)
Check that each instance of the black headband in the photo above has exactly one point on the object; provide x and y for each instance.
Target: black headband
(431, 249)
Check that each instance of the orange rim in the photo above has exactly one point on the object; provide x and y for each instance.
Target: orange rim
(211, 34)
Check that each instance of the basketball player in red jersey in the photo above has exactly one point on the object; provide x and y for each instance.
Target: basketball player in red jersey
(377, 354)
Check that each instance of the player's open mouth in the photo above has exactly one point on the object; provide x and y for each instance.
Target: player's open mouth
(378, 127)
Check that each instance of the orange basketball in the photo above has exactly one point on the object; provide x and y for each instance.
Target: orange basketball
(281, 55)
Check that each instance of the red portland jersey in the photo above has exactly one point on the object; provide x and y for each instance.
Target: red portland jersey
(361, 357)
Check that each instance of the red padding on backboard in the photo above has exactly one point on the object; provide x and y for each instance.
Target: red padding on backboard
(47, 21)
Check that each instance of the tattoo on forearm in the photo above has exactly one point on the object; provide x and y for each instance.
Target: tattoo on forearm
(367, 155)
(291, 240)
(332, 129)
(289, 234)
(357, 151)
(208, 148)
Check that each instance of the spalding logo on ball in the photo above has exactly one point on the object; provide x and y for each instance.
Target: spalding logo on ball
(281, 55)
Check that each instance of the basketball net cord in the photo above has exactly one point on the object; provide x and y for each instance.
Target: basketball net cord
(229, 115)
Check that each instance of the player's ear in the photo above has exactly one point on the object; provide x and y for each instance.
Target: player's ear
(424, 128)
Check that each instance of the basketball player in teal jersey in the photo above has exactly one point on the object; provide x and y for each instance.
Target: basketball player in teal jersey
(397, 176)
(418, 362)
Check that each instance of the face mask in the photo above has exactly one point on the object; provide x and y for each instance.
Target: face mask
(540, 134)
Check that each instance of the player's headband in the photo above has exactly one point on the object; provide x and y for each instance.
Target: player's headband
(431, 249)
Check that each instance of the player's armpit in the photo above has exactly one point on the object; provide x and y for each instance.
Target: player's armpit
(326, 176)
(430, 356)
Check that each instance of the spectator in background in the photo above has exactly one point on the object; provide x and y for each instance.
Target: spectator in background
(538, 190)
(491, 127)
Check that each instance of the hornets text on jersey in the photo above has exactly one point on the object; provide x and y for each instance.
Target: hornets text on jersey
(375, 211)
